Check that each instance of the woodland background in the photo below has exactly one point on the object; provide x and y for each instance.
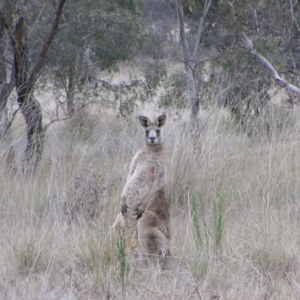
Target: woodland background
(74, 75)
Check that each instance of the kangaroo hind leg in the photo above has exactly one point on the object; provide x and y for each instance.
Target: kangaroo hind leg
(153, 242)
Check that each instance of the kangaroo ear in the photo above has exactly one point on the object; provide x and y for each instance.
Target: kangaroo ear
(144, 121)
(161, 120)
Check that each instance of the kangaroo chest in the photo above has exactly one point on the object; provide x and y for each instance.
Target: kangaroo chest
(152, 164)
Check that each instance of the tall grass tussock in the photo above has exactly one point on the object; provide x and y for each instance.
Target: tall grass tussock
(234, 203)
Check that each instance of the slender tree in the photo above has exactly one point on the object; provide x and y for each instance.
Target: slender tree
(25, 80)
(190, 58)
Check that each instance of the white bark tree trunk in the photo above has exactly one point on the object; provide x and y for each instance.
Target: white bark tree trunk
(190, 60)
(192, 94)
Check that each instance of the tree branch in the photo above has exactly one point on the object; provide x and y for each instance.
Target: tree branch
(283, 83)
(37, 69)
(45, 127)
(292, 5)
(201, 26)
(184, 43)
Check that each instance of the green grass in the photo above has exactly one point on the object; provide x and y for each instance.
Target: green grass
(124, 267)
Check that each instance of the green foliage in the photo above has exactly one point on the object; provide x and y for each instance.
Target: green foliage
(245, 81)
(9, 8)
(274, 3)
(201, 229)
(154, 73)
(122, 259)
(135, 6)
(174, 95)
(193, 8)
(98, 37)
(199, 223)
(123, 97)
(200, 234)
(116, 35)
(218, 206)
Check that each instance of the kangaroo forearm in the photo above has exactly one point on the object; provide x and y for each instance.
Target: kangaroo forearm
(146, 200)
(144, 204)
(123, 197)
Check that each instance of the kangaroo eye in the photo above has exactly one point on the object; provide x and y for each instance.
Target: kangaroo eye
(147, 131)
(157, 131)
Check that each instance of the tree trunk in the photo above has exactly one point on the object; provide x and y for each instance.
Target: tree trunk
(71, 92)
(5, 91)
(192, 94)
(5, 87)
(32, 112)
(30, 107)
(190, 60)
(189, 68)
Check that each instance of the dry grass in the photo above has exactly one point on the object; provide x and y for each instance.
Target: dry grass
(234, 208)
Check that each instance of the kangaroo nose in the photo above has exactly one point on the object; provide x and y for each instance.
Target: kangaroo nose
(152, 138)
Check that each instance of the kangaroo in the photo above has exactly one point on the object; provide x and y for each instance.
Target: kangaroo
(147, 175)
(154, 232)
(144, 211)
(153, 229)
(119, 225)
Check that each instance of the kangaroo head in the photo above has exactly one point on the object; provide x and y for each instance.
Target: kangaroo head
(152, 130)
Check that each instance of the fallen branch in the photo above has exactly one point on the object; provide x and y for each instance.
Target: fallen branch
(279, 80)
